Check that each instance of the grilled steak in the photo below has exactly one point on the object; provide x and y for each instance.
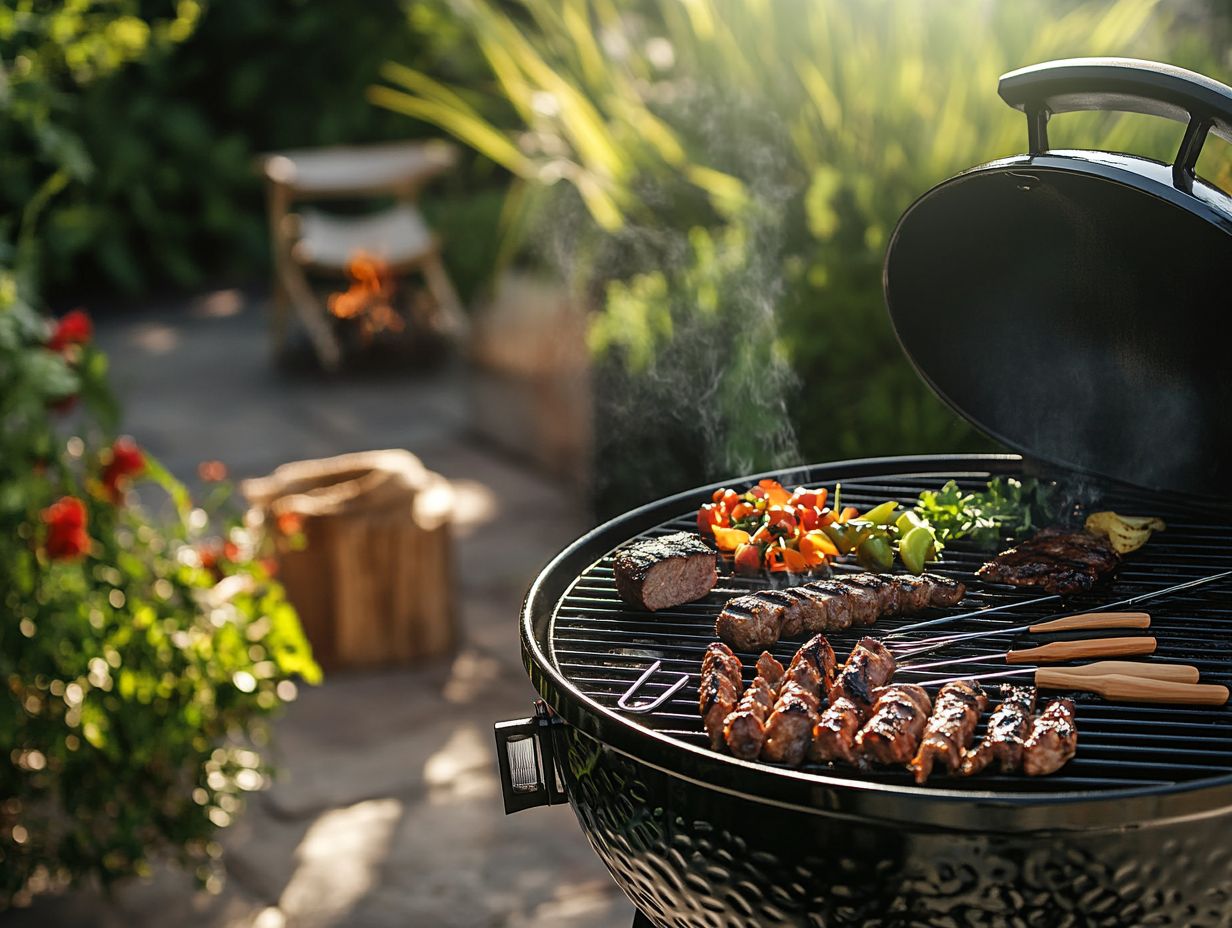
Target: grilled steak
(1056, 560)
(659, 573)
(950, 729)
(1053, 739)
(892, 733)
(719, 689)
(744, 730)
(757, 620)
(1007, 730)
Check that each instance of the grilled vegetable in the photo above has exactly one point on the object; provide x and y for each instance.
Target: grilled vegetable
(1126, 533)
(1009, 508)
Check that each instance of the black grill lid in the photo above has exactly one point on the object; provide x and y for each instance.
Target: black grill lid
(1074, 305)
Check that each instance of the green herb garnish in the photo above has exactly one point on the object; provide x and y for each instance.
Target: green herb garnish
(1009, 508)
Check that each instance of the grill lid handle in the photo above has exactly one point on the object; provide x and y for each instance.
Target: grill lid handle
(1126, 85)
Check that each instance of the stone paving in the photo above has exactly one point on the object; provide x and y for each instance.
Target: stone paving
(387, 810)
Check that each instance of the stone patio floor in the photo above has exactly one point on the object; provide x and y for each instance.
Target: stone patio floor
(387, 809)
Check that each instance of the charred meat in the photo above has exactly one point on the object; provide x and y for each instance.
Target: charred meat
(789, 730)
(1008, 728)
(1053, 739)
(892, 733)
(744, 729)
(834, 735)
(870, 666)
(658, 573)
(949, 731)
(1055, 560)
(719, 689)
(757, 620)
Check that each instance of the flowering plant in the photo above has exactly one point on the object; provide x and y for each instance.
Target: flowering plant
(139, 657)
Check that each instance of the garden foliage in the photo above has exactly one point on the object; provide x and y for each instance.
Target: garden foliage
(803, 128)
(162, 153)
(139, 656)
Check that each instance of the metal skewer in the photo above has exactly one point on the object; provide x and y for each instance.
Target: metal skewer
(1118, 681)
(1131, 601)
(1088, 621)
(1052, 653)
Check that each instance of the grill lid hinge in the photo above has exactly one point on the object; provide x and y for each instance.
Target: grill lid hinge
(526, 754)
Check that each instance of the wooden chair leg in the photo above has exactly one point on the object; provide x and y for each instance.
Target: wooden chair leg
(315, 317)
(453, 319)
(280, 311)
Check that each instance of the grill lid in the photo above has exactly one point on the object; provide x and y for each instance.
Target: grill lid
(1070, 303)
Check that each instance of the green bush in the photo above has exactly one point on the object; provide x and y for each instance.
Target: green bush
(139, 657)
(173, 195)
(808, 126)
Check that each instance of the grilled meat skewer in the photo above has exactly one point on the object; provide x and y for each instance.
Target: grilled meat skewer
(719, 689)
(834, 735)
(870, 666)
(1053, 739)
(948, 734)
(892, 733)
(789, 730)
(757, 620)
(744, 729)
(1007, 730)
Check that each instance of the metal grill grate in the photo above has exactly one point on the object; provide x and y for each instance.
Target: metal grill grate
(602, 646)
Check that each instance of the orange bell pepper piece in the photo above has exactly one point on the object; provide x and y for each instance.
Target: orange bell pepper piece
(816, 547)
(775, 493)
(729, 539)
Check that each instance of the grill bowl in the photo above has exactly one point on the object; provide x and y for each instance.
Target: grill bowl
(1131, 833)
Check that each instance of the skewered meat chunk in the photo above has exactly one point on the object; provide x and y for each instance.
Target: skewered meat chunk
(744, 729)
(1008, 728)
(949, 731)
(757, 620)
(789, 730)
(892, 733)
(834, 735)
(870, 666)
(719, 689)
(658, 573)
(1054, 559)
(1053, 739)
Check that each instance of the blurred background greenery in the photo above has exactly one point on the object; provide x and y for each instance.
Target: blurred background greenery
(715, 179)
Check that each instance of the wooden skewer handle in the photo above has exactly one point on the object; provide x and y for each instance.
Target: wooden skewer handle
(1094, 620)
(1135, 689)
(1059, 651)
(1175, 673)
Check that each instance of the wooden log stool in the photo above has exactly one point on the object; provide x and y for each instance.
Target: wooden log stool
(373, 586)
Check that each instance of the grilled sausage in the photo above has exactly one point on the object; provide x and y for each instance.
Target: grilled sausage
(719, 689)
(1007, 730)
(744, 729)
(1053, 739)
(949, 731)
(757, 620)
(892, 733)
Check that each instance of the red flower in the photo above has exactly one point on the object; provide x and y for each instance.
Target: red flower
(126, 461)
(74, 328)
(212, 471)
(290, 523)
(66, 529)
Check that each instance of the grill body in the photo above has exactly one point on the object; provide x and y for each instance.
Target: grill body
(1136, 834)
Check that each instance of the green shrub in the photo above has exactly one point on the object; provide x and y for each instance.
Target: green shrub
(809, 125)
(170, 194)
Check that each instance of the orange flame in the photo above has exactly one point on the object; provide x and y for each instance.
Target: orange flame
(369, 297)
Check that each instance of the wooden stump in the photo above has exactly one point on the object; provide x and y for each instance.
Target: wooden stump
(374, 584)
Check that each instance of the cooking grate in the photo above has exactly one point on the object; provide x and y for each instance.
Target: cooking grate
(602, 646)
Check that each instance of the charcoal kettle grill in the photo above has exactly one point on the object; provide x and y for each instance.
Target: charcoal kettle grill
(1065, 303)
